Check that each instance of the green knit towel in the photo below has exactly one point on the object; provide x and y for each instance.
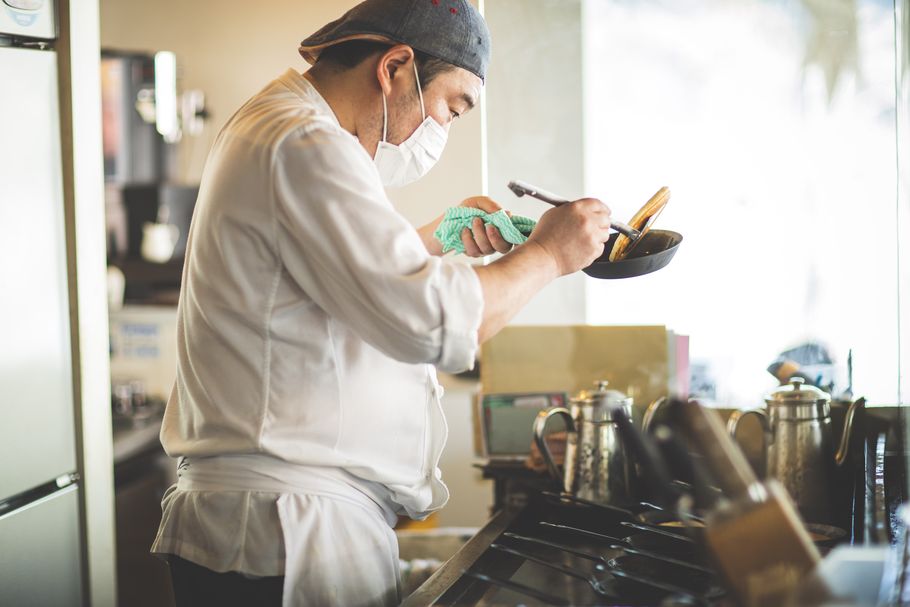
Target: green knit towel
(514, 229)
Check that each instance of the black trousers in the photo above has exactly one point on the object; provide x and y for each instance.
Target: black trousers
(196, 586)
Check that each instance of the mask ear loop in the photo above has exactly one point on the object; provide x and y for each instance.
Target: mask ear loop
(385, 117)
(385, 109)
(423, 112)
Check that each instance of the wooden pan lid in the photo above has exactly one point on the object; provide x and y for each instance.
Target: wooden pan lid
(641, 221)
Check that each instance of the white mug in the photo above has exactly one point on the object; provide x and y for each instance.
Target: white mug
(116, 287)
(158, 241)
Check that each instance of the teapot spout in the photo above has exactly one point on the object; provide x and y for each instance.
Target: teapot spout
(844, 448)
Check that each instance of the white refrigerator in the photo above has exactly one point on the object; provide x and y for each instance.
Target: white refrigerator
(40, 533)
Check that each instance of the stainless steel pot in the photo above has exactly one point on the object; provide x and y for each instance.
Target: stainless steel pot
(597, 463)
(799, 445)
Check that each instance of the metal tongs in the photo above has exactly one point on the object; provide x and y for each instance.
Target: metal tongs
(520, 188)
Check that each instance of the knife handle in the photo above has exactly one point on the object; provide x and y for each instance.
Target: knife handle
(688, 467)
(649, 458)
(724, 459)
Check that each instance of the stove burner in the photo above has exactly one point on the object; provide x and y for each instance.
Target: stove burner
(556, 552)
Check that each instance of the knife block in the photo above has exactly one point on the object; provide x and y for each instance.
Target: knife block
(761, 547)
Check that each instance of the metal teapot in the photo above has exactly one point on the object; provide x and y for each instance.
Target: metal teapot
(799, 445)
(597, 464)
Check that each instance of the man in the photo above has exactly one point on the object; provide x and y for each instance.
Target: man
(306, 409)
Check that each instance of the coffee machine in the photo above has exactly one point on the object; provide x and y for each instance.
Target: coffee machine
(148, 210)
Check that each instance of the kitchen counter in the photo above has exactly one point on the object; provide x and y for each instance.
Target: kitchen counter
(470, 495)
(134, 438)
(513, 482)
(142, 473)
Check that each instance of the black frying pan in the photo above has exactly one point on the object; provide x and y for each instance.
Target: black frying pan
(652, 252)
(656, 249)
(642, 571)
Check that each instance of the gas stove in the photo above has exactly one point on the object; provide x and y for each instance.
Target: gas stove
(550, 549)
(557, 551)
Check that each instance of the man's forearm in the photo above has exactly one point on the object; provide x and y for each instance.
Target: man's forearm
(433, 246)
(510, 282)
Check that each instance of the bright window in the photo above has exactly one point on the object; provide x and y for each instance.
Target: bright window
(773, 123)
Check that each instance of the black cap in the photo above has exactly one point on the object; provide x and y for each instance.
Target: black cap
(450, 30)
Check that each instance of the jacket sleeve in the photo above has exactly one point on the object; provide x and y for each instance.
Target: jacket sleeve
(345, 245)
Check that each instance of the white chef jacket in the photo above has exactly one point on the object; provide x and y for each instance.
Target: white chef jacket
(310, 321)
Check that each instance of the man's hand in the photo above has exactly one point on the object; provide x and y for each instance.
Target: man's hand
(566, 239)
(478, 241)
(574, 234)
(483, 239)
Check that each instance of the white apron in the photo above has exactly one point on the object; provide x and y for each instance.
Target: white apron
(331, 539)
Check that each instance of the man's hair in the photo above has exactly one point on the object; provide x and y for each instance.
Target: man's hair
(347, 55)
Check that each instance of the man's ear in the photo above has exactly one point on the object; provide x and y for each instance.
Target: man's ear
(390, 65)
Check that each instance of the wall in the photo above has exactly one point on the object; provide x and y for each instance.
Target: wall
(470, 497)
(535, 132)
(902, 68)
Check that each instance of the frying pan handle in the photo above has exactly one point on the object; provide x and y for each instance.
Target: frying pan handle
(521, 188)
(515, 587)
(536, 559)
(540, 425)
(536, 540)
(653, 582)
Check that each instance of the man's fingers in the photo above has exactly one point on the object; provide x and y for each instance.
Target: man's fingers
(594, 205)
(499, 243)
(484, 203)
(470, 247)
(480, 237)
(596, 210)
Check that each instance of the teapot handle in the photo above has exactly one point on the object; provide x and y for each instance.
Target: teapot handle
(844, 447)
(738, 415)
(651, 413)
(539, 425)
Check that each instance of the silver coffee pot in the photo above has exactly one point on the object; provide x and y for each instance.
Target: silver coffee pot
(799, 445)
(597, 465)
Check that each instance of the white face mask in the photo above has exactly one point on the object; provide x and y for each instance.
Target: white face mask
(414, 157)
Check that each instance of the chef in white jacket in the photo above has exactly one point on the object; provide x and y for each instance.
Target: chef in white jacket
(306, 412)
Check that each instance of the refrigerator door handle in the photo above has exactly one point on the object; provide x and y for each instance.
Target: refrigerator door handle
(20, 501)
(65, 480)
